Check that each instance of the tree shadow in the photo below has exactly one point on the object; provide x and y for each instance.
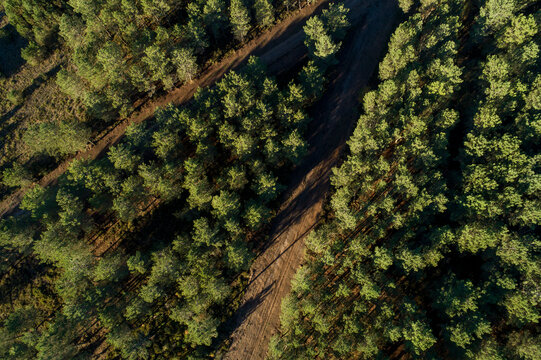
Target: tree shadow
(228, 328)
(40, 80)
(9, 115)
(11, 45)
(36, 83)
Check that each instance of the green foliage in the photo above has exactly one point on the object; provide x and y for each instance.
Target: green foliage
(159, 285)
(16, 176)
(15, 97)
(336, 20)
(434, 219)
(318, 41)
(405, 5)
(323, 32)
(56, 139)
(16, 233)
(118, 50)
(32, 53)
(495, 13)
(419, 336)
(123, 158)
(132, 346)
(202, 332)
(39, 201)
(56, 341)
(238, 256)
(256, 215)
(264, 13)
(185, 63)
(240, 19)
(158, 65)
(137, 263)
(37, 20)
(109, 268)
(311, 80)
(71, 84)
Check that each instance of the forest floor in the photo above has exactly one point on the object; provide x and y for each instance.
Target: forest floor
(334, 118)
(280, 48)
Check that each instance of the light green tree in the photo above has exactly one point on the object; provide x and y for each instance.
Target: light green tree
(240, 19)
(185, 63)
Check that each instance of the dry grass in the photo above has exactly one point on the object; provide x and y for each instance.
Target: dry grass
(42, 101)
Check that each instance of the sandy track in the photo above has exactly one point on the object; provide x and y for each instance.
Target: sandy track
(334, 117)
(280, 48)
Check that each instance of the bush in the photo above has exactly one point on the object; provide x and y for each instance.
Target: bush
(15, 97)
(16, 176)
(56, 139)
(32, 53)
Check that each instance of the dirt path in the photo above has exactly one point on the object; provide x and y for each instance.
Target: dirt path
(280, 48)
(258, 317)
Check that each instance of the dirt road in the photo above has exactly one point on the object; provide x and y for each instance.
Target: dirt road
(258, 317)
(280, 48)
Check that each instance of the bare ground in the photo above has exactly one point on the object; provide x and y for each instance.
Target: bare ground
(280, 48)
(258, 317)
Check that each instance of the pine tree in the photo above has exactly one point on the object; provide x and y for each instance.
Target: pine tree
(264, 13)
(214, 15)
(319, 42)
(239, 19)
(185, 63)
(57, 139)
(16, 176)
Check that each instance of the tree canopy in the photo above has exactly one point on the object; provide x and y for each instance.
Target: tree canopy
(431, 245)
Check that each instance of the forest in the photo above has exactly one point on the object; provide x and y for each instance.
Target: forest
(430, 244)
(143, 253)
(95, 62)
(133, 210)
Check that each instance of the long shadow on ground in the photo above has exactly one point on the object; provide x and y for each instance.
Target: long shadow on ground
(10, 51)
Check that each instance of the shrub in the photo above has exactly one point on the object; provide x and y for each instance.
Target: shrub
(16, 176)
(32, 53)
(15, 97)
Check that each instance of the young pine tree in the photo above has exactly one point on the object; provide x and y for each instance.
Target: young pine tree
(240, 19)
(264, 13)
(319, 42)
(185, 63)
